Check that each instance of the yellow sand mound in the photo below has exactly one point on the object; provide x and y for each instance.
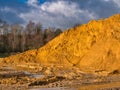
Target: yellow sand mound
(92, 47)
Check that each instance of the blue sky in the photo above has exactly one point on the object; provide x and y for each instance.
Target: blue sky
(57, 13)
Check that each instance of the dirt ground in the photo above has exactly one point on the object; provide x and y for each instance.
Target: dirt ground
(33, 76)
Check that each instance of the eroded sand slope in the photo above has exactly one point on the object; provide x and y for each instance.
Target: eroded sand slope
(94, 46)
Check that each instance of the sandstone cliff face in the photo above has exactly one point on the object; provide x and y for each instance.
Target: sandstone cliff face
(91, 47)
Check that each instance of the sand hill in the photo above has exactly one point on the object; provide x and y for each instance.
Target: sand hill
(94, 46)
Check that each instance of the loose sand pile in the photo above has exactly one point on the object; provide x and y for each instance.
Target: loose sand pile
(91, 47)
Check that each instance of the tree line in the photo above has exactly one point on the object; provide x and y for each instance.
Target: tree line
(16, 38)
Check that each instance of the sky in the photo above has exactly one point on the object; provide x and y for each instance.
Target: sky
(57, 13)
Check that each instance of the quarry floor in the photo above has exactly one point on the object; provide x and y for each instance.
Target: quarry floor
(33, 76)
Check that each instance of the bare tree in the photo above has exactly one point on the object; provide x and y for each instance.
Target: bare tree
(23, 41)
(48, 35)
(16, 30)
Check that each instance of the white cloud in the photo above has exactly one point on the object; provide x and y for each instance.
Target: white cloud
(7, 9)
(32, 2)
(57, 14)
(60, 7)
(106, 0)
(117, 2)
